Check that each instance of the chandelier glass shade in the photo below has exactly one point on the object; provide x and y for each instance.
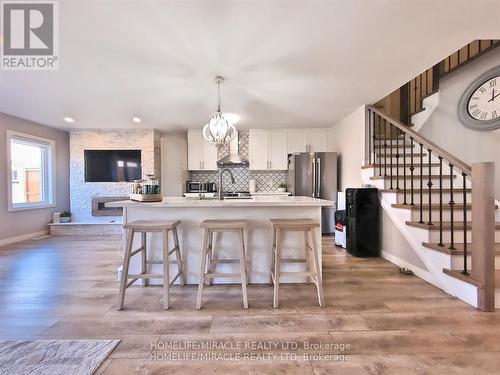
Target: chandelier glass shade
(219, 131)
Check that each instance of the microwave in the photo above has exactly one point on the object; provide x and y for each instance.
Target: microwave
(201, 187)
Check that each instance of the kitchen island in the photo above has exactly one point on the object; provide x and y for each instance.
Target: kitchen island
(256, 210)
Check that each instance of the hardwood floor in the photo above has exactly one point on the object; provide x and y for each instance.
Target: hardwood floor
(65, 287)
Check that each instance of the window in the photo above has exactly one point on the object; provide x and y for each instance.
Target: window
(31, 172)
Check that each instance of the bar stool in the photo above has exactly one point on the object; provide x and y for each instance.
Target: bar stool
(144, 227)
(208, 263)
(308, 226)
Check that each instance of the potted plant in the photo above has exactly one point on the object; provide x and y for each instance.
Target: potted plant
(282, 187)
(65, 217)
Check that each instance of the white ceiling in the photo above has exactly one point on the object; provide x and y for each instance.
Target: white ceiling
(286, 63)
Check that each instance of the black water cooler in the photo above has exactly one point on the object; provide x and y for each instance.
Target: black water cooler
(363, 222)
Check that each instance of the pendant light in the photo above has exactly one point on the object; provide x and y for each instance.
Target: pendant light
(219, 131)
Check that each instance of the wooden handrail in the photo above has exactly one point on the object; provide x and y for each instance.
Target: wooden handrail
(427, 143)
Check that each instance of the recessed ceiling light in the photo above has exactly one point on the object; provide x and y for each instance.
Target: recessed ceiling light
(69, 119)
(136, 119)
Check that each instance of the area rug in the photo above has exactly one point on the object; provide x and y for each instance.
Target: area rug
(53, 357)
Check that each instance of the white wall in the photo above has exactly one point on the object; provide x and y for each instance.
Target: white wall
(444, 128)
(146, 140)
(174, 172)
(21, 223)
(347, 138)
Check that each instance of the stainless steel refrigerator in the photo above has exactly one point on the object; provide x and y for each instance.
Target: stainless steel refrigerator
(315, 175)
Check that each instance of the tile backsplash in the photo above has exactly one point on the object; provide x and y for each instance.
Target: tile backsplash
(264, 180)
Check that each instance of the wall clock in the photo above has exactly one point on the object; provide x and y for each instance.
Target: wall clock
(479, 106)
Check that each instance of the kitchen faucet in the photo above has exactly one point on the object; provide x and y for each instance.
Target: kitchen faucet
(221, 172)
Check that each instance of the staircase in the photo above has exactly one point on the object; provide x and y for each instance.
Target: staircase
(409, 101)
(443, 207)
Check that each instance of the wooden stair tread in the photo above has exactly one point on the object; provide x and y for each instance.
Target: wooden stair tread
(388, 154)
(408, 165)
(433, 191)
(445, 177)
(469, 279)
(434, 206)
(446, 225)
(394, 145)
(459, 248)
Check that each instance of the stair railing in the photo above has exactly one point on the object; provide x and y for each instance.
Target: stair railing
(385, 133)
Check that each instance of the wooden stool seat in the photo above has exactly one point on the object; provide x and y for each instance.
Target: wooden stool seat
(208, 263)
(151, 225)
(223, 224)
(144, 227)
(308, 227)
(294, 223)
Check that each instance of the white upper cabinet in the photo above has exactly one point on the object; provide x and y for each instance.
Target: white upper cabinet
(278, 156)
(307, 140)
(296, 141)
(317, 140)
(202, 155)
(268, 149)
(210, 156)
(258, 149)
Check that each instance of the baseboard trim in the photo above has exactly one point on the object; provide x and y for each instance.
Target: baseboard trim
(417, 271)
(24, 237)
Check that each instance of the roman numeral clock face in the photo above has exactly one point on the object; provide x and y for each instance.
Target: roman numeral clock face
(479, 105)
(484, 103)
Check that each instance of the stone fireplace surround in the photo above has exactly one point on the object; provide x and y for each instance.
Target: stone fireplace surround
(82, 193)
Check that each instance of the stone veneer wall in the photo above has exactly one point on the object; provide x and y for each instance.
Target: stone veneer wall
(81, 192)
(264, 180)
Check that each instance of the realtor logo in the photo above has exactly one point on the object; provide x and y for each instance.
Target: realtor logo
(30, 36)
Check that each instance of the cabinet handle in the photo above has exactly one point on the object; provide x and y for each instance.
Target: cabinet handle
(270, 165)
(201, 167)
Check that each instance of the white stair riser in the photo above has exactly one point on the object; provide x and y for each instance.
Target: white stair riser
(457, 197)
(457, 262)
(434, 235)
(379, 159)
(401, 170)
(457, 215)
(416, 183)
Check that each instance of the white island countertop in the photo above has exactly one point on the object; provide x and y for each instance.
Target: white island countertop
(256, 201)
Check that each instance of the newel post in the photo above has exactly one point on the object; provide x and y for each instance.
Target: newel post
(483, 233)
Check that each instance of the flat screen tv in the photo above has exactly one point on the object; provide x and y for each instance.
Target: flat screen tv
(112, 165)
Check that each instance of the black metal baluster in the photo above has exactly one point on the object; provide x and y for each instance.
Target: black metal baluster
(429, 184)
(397, 159)
(412, 168)
(369, 138)
(390, 139)
(404, 168)
(380, 148)
(385, 147)
(440, 201)
(464, 185)
(421, 221)
(452, 204)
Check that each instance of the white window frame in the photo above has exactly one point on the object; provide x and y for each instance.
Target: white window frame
(49, 172)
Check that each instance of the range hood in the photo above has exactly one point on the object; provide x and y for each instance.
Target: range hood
(234, 157)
